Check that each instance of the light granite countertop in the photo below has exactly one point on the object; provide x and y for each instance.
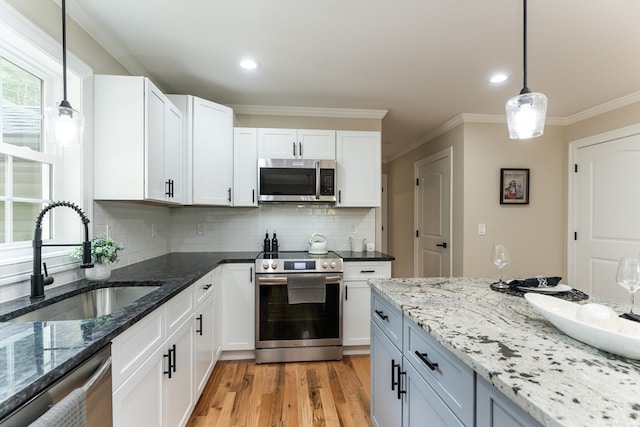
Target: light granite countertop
(556, 379)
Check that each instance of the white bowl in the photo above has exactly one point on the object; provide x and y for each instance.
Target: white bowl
(562, 314)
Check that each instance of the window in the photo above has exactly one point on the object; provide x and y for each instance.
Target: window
(33, 171)
(26, 175)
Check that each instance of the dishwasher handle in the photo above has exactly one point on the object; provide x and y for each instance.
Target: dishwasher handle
(97, 375)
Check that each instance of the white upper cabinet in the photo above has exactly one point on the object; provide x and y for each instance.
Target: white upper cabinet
(358, 155)
(209, 142)
(245, 167)
(138, 144)
(297, 144)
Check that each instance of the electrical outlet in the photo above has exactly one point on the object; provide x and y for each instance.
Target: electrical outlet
(108, 230)
(200, 229)
(154, 230)
(482, 230)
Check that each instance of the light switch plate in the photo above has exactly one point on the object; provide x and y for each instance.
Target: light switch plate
(482, 230)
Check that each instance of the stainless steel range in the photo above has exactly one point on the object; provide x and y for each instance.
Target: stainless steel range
(298, 307)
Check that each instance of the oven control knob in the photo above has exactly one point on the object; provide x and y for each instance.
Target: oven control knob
(325, 265)
(274, 265)
(265, 265)
(333, 265)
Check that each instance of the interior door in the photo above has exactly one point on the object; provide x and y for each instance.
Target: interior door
(432, 250)
(607, 213)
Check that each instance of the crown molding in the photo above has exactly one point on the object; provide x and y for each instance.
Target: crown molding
(346, 113)
(614, 104)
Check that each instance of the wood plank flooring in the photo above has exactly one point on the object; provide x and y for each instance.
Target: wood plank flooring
(316, 394)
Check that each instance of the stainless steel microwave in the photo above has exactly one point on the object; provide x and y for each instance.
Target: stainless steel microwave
(296, 180)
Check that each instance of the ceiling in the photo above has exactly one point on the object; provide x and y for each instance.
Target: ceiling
(425, 61)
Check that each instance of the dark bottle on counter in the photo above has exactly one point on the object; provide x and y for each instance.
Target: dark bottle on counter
(274, 243)
(266, 245)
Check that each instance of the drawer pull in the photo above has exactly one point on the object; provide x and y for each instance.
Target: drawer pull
(400, 391)
(382, 315)
(207, 286)
(394, 383)
(367, 271)
(199, 327)
(425, 359)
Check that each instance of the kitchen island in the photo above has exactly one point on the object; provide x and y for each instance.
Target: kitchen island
(557, 380)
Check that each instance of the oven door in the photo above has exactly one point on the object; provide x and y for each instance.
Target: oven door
(281, 324)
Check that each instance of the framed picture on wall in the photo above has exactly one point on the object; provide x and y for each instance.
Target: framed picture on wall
(514, 186)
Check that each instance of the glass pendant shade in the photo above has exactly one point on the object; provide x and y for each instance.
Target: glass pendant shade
(526, 115)
(64, 125)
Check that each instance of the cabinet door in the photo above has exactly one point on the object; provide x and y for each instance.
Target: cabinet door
(218, 313)
(178, 397)
(356, 314)
(316, 144)
(277, 143)
(493, 409)
(138, 402)
(212, 172)
(239, 307)
(358, 155)
(154, 147)
(174, 153)
(245, 167)
(204, 324)
(421, 403)
(386, 406)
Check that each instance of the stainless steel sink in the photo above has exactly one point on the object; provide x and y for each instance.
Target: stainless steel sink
(87, 305)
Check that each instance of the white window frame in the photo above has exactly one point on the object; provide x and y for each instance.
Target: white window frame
(29, 47)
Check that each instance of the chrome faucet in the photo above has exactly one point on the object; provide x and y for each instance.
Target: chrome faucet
(38, 280)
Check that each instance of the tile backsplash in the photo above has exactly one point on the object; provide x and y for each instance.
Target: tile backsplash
(148, 231)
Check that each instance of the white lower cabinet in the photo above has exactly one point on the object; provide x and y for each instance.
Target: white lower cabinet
(425, 384)
(356, 308)
(160, 366)
(238, 307)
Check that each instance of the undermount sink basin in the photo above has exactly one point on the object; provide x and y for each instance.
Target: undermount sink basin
(87, 305)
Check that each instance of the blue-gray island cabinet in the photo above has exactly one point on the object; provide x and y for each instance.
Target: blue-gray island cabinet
(453, 351)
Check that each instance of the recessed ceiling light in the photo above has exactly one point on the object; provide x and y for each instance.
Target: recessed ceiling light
(499, 78)
(248, 64)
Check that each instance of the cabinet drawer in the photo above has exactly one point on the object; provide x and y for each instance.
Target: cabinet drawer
(131, 348)
(367, 270)
(178, 309)
(202, 288)
(388, 318)
(451, 379)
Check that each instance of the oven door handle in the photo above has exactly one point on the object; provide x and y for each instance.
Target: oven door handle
(283, 280)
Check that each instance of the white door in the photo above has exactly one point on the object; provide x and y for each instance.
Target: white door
(606, 213)
(277, 143)
(432, 249)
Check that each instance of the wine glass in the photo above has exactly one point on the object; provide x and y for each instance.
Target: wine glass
(628, 276)
(500, 257)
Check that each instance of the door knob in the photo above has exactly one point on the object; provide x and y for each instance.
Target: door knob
(442, 245)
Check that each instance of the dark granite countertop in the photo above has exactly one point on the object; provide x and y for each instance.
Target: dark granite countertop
(39, 353)
(349, 256)
(36, 354)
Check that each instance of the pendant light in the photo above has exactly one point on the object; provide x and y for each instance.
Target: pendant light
(64, 124)
(526, 112)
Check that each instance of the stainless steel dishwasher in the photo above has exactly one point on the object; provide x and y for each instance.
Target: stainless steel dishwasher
(94, 375)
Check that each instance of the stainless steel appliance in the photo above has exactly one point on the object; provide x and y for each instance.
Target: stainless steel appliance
(296, 180)
(93, 376)
(298, 307)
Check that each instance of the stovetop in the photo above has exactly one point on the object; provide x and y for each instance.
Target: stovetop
(298, 262)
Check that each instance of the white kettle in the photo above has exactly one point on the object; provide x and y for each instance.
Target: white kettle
(357, 243)
(318, 244)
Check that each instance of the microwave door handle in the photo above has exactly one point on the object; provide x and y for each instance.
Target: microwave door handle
(317, 180)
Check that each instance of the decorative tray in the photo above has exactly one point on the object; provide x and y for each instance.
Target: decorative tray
(590, 324)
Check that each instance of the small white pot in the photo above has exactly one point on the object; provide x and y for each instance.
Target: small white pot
(98, 272)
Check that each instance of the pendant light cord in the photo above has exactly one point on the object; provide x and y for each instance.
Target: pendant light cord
(525, 89)
(64, 102)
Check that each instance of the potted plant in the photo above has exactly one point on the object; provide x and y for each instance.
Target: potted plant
(104, 250)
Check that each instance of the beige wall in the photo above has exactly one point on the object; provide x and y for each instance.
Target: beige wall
(401, 185)
(536, 234)
(48, 16)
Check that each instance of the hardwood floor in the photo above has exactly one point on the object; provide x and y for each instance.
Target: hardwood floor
(241, 393)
